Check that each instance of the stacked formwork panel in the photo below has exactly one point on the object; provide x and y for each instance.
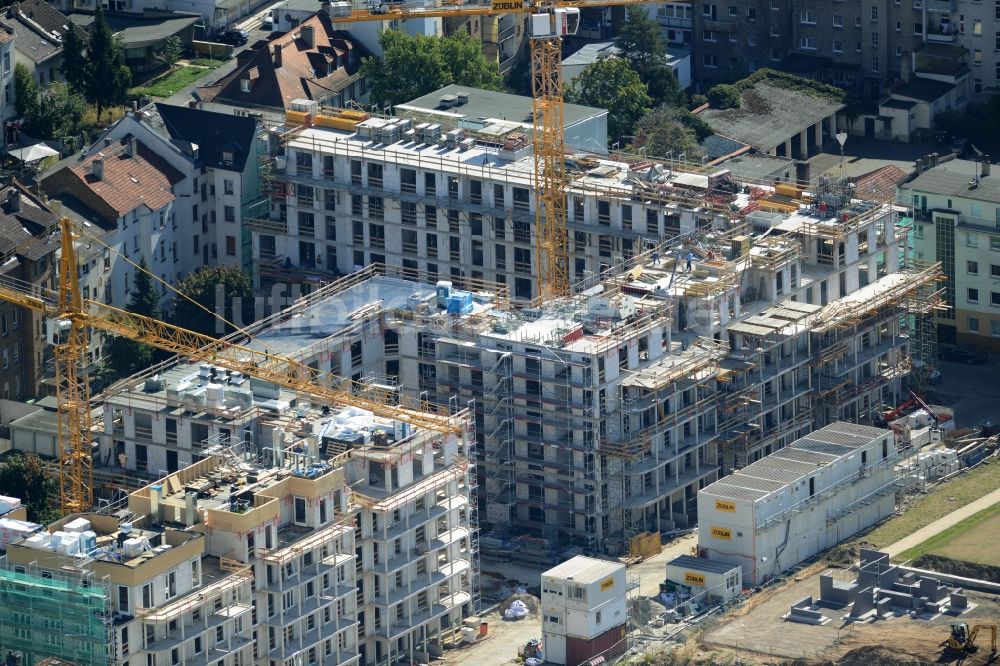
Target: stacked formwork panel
(50, 617)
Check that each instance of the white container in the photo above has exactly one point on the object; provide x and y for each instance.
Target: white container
(8, 504)
(77, 525)
(133, 546)
(37, 541)
(88, 541)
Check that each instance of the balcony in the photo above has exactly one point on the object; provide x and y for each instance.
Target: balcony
(941, 33)
(719, 26)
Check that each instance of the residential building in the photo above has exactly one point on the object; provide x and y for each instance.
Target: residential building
(166, 184)
(8, 57)
(40, 30)
(353, 545)
(677, 22)
(313, 62)
(29, 245)
(800, 500)
(678, 58)
(213, 15)
(956, 210)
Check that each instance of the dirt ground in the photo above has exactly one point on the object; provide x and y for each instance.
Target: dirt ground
(500, 646)
(756, 634)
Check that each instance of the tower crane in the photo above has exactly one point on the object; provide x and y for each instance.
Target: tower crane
(549, 22)
(73, 316)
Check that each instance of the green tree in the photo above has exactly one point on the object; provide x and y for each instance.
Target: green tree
(57, 112)
(127, 356)
(611, 84)
(74, 66)
(107, 77)
(667, 129)
(642, 45)
(25, 91)
(214, 288)
(725, 96)
(22, 475)
(169, 52)
(414, 65)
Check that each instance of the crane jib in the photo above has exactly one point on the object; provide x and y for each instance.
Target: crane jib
(507, 5)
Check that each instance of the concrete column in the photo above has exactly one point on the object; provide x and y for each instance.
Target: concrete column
(818, 127)
(773, 152)
(804, 144)
(788, 148)
(872, 268)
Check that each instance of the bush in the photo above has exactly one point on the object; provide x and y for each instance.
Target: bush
(725, 96)
(697, 100)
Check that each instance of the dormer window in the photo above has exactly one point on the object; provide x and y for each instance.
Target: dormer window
(227, 156)
(245, 85)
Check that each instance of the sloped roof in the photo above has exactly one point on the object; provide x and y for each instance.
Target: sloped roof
(301, 73)
(40, 29)
(880, 183)
(213, 133)
(129, 181)
(25, 229)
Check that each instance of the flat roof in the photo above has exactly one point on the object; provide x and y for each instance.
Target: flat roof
(770, 115)
(701, 564)
(798, 460)
(494, 105)
(584, 570)
(954, 178)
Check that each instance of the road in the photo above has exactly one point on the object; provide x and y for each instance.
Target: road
(941, 524)
(972, 390)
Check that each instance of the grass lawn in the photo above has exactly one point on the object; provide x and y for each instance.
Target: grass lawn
(938, 503)
(175, 80)
(969, 541)
(206, 62)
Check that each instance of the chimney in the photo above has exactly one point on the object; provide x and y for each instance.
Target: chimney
(934, 159)
(13, 200)
(277, 55)
(97, 167)
(307, 35)
(920, 165)
(131, 146)
(985, 166)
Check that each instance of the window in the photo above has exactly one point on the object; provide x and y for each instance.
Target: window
(874, 12)
(977, 57)
(995, 298)
(171, 584)
(977, 86)
(752, 13)
(973, 324)
(838, 46)
(123, 599)
(995, 243)
(708, 35)
(227, 186)
(875, 63)
(874, 39)
(976, 210)
(977, 27)
(899, 26)
(231, 246)
(838, 21)
(733, 10)
(995, 328)
(300, 510)
(807, 17)
(230, 213)
(971, 240)
(147, 595)
(710, 61)
(972, 267)
(807, 43)
(972, 295)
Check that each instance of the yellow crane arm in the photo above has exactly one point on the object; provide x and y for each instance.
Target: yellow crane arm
(280, 370)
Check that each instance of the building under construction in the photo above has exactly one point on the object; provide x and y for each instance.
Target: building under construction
(313, 536)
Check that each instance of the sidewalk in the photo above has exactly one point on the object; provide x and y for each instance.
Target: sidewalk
(941, 524)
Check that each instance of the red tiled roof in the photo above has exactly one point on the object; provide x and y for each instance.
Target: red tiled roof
(880, 183)
(128, 182)
(302, 72)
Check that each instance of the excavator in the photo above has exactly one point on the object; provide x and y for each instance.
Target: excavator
(963, 639)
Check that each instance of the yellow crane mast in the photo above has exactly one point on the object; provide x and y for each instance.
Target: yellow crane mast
(73, 316)
(550, 21)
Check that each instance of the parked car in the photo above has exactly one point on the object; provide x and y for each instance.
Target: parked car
(961, 355)
(235, 36)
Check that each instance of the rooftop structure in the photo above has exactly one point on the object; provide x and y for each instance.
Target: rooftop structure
(39, 30)
(474, 108)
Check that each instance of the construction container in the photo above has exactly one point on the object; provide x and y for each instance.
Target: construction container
(718, 580)
(574, 651)
(298, 117)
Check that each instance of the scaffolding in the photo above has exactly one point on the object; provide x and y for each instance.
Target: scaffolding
(61, 617)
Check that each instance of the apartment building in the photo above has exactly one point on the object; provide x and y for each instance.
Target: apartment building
(456, 206)
(956, 210)
(267, 550)
(860, 46)
(165, 185)
(28, 251)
